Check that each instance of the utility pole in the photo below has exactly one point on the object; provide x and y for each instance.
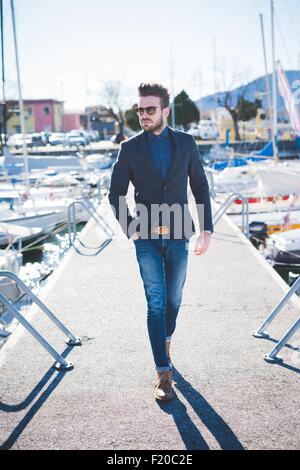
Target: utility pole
(87, 93)
(21, 102)
(172, 88)
(216, 89)
(200, 81)
(63, 106)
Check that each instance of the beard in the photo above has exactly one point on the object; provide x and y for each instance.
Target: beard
(153, 127)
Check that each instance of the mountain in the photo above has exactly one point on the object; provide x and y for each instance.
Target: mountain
(209, 102)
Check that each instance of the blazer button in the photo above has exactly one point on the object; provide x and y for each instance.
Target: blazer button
(165, 188)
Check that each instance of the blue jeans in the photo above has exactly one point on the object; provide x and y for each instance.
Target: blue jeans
(163, 266)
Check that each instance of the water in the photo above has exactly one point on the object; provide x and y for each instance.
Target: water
(284, 272)
(51, 242)
(37, 264)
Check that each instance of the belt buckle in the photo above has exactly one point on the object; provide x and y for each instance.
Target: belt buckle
(162, 230)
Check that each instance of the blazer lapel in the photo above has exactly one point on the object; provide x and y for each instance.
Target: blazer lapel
(177, 151)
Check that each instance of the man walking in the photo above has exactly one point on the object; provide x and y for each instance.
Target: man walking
(159, 161)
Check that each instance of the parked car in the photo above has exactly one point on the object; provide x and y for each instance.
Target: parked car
(194, 130)
(57, 138)
(95, 136)
(85, 134)
(16, 141)
(208, 129)
(76, 139)
(38, 139)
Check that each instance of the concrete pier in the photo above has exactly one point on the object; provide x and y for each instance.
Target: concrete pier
(227, 396)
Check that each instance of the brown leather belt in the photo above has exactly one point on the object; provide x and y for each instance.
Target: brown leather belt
(161, 230)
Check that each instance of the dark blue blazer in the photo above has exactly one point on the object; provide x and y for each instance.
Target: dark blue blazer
(134, 164)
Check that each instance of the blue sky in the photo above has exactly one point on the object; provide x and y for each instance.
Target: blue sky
(69, 47)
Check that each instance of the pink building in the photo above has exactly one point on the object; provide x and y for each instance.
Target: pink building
(72, 120)
(40, 115)
(47, 114)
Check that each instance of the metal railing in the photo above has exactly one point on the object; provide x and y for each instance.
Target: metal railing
(61, 363)
(3, 332)
(72, 226)
(261, 331)
(211, 181)
(245, 211)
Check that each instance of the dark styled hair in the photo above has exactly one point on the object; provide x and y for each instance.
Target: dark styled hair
(155, 89)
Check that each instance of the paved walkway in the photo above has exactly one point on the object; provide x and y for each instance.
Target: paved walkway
(227, 396)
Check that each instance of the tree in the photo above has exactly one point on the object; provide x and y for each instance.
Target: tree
(132, 119)
(238, 107)
(186, 111)
(111, 96)
(244, 110)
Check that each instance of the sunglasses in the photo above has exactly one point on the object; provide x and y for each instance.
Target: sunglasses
(149, 110)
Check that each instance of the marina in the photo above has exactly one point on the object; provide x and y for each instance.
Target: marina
(228, 396)
(76, 366)
(82, 267)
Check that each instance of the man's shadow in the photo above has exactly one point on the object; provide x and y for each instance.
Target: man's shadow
(189, 432)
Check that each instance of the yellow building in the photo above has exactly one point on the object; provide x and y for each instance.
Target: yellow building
(40, 115)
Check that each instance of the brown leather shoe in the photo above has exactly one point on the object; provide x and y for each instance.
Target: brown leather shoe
(163, 387)
(168, 345)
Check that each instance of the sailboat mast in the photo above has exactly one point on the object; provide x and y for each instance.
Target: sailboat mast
(268, 88)
(21, 102)
(215, 80)
(3, 129)
(274, 87)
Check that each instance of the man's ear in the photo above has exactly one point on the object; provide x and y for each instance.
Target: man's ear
(167, 111)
